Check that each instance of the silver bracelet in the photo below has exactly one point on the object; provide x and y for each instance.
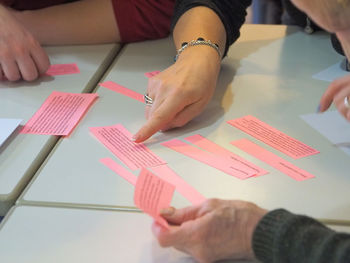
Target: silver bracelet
(198, 42)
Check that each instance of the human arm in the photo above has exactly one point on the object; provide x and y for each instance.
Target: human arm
(182, 91)
(80, 22)
(21, 56)
(223, 229)
(281, 236)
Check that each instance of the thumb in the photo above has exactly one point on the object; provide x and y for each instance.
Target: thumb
(179, 216)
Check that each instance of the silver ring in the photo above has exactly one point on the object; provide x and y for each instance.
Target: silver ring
(148, 99)
(346, 102)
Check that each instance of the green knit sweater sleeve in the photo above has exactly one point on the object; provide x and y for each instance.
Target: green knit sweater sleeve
(284, 237)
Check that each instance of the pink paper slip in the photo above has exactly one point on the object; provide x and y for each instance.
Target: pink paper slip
(122, 90)
(120, 170)
(236, 160)
(62, 69)
(273, 137)
(118, 140)
(152, 74)
(222, 164)
(59, 114)
(186, 190)
(153, 194)
(273, 160)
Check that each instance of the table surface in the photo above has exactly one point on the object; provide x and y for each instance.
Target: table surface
(267, 74)
(47, 234)
(22, 154)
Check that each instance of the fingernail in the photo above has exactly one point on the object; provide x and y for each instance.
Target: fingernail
(167, 211)
(318, 108)
(134, 137)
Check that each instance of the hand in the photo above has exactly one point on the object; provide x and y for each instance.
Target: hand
(336, 92)
(214, 230)
(181, 91)
(21, 56)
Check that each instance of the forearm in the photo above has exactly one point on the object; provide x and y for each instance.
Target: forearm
(81, 22)
(284, 237)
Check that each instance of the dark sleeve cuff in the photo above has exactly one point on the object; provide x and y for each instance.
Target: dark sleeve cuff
(232, 14)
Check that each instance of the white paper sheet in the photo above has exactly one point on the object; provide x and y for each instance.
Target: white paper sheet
(333, 72)
(333, 126)
(7, 127)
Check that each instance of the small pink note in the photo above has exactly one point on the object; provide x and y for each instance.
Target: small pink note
(152, 74)
(273, 137)
(59, 114)
(62, 69)
(118, 140)
(122, 90)
(120, 170)
(237, 161)
(222, 164)
(186, 190)
(153, 194)
(273, 160)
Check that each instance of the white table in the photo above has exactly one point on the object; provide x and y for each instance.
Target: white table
(42, 234)
(22, 154)
(267, 74)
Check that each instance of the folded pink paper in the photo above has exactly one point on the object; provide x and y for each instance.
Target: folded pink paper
(236, 160)
(152, 74)
(122, 90)
(59, 114)
(120, 170)
(272, 159)
(186, 190)
(153, 194)
(273, 137)
(62, 69)
(222, 164)
(118, 140)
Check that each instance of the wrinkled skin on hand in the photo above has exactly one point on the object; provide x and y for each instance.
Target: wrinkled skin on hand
(214, 230)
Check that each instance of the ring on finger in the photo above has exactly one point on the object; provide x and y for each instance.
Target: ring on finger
(148, 100)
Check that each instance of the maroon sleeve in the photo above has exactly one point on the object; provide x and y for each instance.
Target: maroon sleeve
(143, 19)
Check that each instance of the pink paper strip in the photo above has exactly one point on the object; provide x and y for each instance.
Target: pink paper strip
(237, 161)
(186, 190)
(118, 140)
(59, 114)
(120, 170)
(152, 74)
(62, 69)
(273, 160)
(221, 164)
(273, 137)
(153, 194)
(122, 90)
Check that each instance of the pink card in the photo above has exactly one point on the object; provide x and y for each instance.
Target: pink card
(59, 114)
(120, 170)
(273, 160)
(62, 69)
(273, 137)
(222, 164)
(122, 90)
(186, 190)
(153, 194)
(152, 74)
(118, 140)
(237, 161)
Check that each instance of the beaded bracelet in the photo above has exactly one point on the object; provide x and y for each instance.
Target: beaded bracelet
(198, 42)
